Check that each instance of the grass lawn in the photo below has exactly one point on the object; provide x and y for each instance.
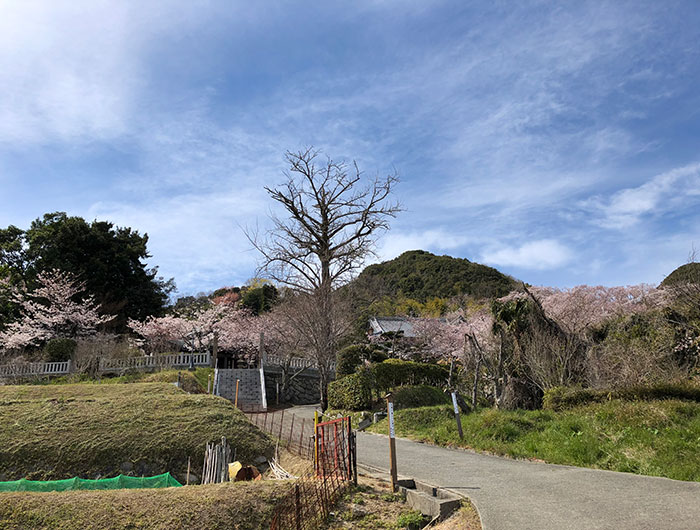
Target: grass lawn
(241, 505)
(660, 438)
(101, 430)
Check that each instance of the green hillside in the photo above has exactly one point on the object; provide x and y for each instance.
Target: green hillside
(420, 275)
(96, 430)
(690, 272)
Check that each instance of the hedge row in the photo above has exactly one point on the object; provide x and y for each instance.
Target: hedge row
(410, 397)
(562, 398)
(354, 391)
(394, 372)
(349, 359)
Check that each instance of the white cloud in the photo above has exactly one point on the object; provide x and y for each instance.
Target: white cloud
(540, 255)
(197, 238)
(65, 70)
(396, 243)
(662, 193)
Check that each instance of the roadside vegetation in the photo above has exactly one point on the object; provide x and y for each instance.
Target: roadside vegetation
(658, 437)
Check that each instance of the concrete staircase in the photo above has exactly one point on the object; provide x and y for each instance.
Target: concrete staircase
(251, 382)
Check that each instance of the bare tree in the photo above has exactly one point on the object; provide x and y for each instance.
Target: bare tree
(333, 219)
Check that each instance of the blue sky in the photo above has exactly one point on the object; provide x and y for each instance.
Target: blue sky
(556, 141)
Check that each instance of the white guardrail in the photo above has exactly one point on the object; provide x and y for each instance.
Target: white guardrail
(294, 362)
(154, 361)
(179, 360)
(29, 369)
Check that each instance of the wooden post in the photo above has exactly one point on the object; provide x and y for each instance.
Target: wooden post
(392, 439)
(297, 504)
(179, 380)
(281, 424)
(316, 440)
(235, 404)
(457, 416)
(214, 349)
(188, 471)
(209, 384)
(291, 433)
(261, 348)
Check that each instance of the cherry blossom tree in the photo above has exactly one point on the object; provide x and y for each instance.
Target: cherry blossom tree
(54, 309)
(469, 338)
(556, 336)
(235, 329)
(580, 308)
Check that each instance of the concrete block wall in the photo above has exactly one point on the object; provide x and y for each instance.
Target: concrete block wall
(302, 390)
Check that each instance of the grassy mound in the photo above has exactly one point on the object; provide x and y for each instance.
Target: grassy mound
(99, 430)
(660, 438)
(244, 506)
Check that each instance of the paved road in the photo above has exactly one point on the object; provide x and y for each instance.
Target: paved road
(513, 494)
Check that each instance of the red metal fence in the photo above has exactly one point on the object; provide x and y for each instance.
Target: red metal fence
(310, 498)
(334, 449)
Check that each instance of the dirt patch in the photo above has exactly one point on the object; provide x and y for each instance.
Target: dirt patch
(370, 505)
(466, 518)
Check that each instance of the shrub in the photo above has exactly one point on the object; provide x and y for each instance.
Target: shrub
(419, 396)
(394, 373)
(59, 350)
(352, 392)
(410, 520)
(561, 398)
(351, 358)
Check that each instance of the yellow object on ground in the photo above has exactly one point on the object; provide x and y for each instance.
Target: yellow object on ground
(233, 469)
(237, 471)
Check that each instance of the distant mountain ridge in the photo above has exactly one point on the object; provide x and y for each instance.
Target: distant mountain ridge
(420, 275)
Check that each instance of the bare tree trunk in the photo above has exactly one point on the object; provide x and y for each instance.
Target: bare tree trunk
(475, 388)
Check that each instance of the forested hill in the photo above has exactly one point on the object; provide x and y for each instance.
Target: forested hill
(420, 275)
(690, 272)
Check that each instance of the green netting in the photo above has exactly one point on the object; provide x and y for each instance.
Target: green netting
(165, 480)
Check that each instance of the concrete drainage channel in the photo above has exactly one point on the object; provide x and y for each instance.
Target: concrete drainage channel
(432, 501)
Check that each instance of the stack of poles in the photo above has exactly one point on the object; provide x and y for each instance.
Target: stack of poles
(216, 460)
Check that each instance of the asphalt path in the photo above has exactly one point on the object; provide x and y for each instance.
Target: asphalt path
(515, 494)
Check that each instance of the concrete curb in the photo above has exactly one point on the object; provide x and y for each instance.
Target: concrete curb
(435, 501)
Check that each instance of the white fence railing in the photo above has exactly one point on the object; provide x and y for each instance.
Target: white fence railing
(154, 361)
(294, 363)
(29, 369)
(179, 360)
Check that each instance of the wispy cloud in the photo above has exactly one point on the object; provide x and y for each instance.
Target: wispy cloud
(543, 254)
(664, 193)
(435, 240)
(518, 131)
